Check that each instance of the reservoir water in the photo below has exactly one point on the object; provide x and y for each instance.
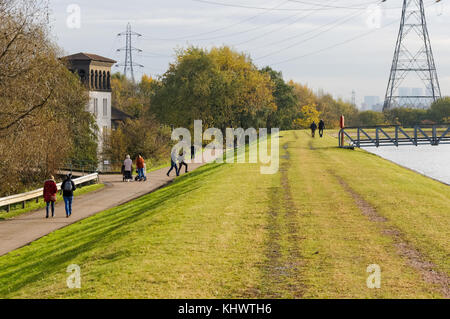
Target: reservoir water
(432, 161)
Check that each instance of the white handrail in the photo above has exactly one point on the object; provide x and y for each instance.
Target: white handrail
(20, 198)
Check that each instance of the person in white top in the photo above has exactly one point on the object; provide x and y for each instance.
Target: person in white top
(181, 162)
(128, 167)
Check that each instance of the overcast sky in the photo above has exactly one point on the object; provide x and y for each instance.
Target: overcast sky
(295, 37)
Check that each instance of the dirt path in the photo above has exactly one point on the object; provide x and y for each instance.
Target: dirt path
(281, 273)
(22, 230)
(426, 268)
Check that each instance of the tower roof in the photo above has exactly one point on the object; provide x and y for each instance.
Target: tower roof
(88, 57)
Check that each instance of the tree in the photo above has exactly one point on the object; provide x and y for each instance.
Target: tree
(220, 86)
(285, 99)
(371, 118)
(42, 104)
(439, 111)
(308, 114)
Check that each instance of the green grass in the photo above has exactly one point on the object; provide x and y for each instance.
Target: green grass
(32, 205)
(226, 231)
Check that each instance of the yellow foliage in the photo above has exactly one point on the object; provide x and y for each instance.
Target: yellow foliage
(308, 115)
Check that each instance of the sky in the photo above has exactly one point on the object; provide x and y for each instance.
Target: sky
(335, 45)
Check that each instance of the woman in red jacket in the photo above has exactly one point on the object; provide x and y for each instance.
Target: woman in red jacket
(50, 191)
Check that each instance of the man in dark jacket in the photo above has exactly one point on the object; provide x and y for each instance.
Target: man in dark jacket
(321, 127)
(67, 189)
(313, 128)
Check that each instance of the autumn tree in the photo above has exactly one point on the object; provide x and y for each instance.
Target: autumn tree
(219, 86)
(42, 104)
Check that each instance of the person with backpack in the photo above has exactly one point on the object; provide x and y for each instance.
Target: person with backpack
(173, 162)
(313, 128)
(181, 162)
(67, 189)
(321, 127)
(50, 190)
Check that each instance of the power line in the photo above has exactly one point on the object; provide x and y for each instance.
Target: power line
(334, 45)
(331, 26)
(321, 50)
(219, 29)
(279, 9)
(280, 28)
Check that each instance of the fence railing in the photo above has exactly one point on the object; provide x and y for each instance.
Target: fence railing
(36, 194)
(394, 135)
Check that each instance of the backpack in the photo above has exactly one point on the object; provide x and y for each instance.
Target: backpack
(67, 186)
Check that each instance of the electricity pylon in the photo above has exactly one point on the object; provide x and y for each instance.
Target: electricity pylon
(129, 64)
(413, 62)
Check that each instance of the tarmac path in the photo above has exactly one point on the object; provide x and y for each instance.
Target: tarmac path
(24, 229)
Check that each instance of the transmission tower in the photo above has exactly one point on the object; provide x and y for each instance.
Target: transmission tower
(413, 62)
(129, 64)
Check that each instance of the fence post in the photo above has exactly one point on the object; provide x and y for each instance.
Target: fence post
(23, 204)
(435, 140)
(377, 137)
(359, 137)
(415, 135)
(396, 135)
(342, 123)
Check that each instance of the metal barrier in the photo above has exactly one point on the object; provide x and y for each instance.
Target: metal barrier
(381, 136)
(22, 198)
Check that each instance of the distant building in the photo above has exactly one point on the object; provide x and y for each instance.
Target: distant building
(370, 102)
(95, 73)
(118, 117)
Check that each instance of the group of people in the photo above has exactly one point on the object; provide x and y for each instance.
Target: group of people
(175, 157)
(127, 169)
(50, 191)
(313, 128)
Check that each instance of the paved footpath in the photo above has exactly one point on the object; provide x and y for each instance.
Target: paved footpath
(23, 229)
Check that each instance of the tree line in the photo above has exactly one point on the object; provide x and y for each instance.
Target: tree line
(43, 121)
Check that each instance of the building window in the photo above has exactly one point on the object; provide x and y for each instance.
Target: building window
(96, 107)
(105, 107)
(108, 81)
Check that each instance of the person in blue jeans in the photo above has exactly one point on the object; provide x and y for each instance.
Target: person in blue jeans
(67, 189)
(173, 162)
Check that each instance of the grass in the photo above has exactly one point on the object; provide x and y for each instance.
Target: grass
(226, 231)
(32, 205)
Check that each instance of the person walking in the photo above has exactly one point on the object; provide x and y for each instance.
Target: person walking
(128, 167)
(67, 189)
(321, 127)
(173, 162)
(50, 190)
(181, 161)
(140, 163)
(313, 128)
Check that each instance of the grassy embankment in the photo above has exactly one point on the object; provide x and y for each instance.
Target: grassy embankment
(225, 230)
(17, 209)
